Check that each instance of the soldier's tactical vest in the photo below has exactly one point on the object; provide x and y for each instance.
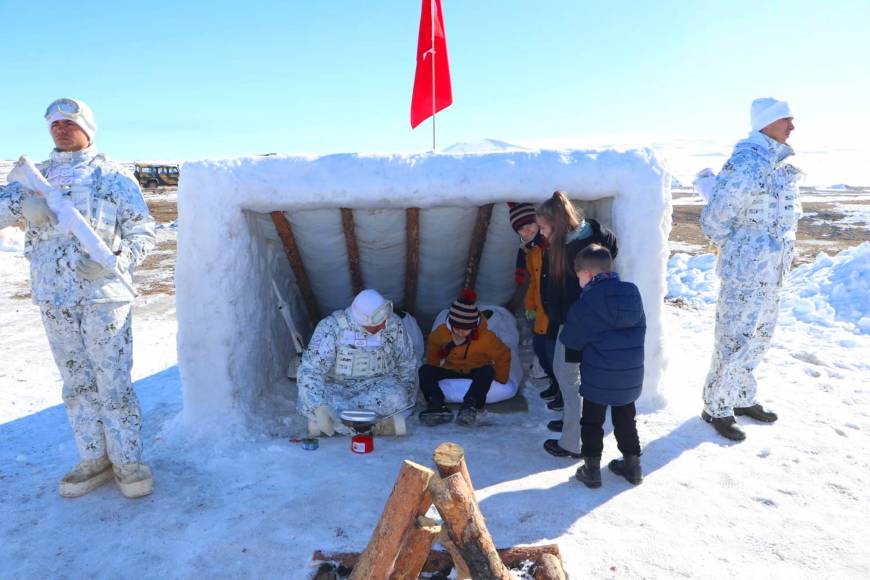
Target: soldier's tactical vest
(81, 183)
(359, 355)
(774, 208)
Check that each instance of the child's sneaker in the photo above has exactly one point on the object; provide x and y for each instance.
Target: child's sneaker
(436, 415)
(557, 404)
(467, 416)
(550, 392)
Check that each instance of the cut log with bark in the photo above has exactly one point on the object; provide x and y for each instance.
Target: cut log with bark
(398, 517)
(449, 458)
(548, 567)
(415, 551)
(454, 500)
(441, 561)
(460, 568)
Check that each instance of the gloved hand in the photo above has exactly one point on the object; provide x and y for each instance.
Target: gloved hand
(36, 210)
(326, 420)
(90, 270)
(530, 314)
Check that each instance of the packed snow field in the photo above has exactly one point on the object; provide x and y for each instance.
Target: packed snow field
(232, 502)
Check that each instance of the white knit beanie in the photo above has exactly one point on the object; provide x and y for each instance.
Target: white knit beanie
(768, 110)
(369, 308)
(84, 118)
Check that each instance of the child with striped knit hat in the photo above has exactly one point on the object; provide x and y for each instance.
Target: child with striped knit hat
(462, 348)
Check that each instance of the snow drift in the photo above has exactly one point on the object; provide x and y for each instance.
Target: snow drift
(832, 291)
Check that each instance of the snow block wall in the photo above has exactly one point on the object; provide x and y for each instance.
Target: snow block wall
(233, 344)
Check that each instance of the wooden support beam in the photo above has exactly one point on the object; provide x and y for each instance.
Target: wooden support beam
(475, 249)
(350, 241)
(412, 257)
(285, 232)
(466, 527)
(399, 516)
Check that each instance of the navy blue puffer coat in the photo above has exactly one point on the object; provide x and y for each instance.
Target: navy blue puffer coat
(608, 326)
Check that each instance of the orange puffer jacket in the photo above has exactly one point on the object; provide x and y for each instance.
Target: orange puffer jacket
(486, 349)
(534, 261)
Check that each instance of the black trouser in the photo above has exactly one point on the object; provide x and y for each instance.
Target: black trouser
(544, 348)
(481, 381)
(592, 432)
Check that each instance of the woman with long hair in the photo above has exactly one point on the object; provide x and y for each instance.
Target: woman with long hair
(567, 231)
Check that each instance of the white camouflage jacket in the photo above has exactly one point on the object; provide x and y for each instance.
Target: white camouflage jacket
(109, 197)
(753, 213)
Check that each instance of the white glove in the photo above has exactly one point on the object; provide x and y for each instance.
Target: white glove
(326, 420)
(704, 183)
(36, 211)
(90, 270)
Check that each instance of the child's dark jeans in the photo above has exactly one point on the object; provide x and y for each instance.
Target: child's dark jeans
(592, 429)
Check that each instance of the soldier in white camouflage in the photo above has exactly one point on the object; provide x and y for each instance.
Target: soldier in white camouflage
(86, 308)
(358, 358)
(752, 217)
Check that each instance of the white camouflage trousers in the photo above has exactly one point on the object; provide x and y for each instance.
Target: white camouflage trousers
(745, 321)
(384, 395)
(92, 345)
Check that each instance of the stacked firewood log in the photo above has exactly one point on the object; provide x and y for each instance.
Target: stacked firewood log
(400, 547)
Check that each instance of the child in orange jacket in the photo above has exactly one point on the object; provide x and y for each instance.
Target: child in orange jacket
(528, 268)
(462, 348)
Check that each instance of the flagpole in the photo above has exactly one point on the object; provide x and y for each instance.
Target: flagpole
(432, 26)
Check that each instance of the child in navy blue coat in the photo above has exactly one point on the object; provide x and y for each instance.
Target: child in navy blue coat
(607, 326)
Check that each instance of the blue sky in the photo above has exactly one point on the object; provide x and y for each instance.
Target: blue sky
(185, 80)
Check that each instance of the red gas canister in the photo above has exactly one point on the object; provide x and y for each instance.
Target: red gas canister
(362, 444)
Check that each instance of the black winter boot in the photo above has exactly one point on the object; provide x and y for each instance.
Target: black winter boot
(557, 404)
(550, 392)
(555, 425)
(726, 426)
(629, 468)
(757, 412)
(590, 472)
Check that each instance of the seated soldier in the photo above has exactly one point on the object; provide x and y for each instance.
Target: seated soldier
(358, 358)
(462, 348)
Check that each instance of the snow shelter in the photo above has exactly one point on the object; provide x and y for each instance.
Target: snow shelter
(415, 227)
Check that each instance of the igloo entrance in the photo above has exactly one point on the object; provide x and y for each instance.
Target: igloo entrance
(404, 225)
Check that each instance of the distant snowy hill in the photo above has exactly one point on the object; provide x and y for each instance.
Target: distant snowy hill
(483, 146)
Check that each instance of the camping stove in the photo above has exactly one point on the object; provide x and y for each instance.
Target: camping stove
(361, 422)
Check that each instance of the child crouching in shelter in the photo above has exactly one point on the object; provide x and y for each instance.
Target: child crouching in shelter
(462, 348)
(608, 326)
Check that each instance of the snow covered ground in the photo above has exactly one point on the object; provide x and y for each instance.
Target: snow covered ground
(792, 501)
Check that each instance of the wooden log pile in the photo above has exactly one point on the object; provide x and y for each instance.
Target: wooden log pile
(400, 547)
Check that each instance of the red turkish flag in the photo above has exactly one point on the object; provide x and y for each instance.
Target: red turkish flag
(422, 100)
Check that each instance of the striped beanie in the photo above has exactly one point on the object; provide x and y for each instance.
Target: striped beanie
(521, 214)
(464, 312)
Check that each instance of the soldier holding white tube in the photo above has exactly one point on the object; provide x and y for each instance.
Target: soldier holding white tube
(85, 292)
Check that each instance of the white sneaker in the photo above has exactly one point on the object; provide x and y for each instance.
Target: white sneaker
(134, 479)
(86, 477)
